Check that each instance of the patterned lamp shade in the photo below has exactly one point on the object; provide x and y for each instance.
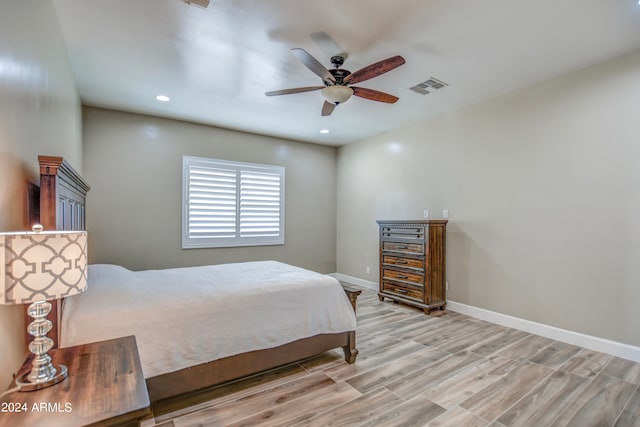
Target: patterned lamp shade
(41, 266)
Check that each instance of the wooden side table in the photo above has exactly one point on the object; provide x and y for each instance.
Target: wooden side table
(105, 387)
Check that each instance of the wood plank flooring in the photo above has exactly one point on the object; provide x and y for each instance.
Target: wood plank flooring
(446, 369)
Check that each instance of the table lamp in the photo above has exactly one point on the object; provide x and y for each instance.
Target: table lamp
(36, 267)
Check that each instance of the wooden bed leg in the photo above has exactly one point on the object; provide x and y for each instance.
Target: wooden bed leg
(350, 354)
(352, 293)
(350, 350)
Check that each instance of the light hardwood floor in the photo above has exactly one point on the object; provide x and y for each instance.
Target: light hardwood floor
(446, 369)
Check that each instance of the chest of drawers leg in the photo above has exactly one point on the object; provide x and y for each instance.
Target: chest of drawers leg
(412, 263)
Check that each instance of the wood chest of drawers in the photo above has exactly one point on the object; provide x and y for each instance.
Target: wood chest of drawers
(412, 262)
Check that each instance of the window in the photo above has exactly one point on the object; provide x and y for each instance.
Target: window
(231, 203)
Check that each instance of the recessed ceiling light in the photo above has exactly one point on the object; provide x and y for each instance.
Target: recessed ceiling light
(163, 98)
(324, 131)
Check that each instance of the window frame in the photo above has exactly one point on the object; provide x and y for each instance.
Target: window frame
(237, 241)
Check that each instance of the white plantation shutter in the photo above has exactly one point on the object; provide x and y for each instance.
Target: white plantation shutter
(212, 202)
(259, 204)
(231, 203)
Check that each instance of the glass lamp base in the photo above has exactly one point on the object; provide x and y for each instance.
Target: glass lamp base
(42, 373)
(26, 385)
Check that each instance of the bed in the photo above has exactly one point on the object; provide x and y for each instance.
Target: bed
(255, 316)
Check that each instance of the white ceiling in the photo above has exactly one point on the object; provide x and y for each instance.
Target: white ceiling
(217, 63)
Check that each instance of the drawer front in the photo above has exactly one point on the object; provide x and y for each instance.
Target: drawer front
(413, 248)
(418, 279)
(418, 229)
(416, 232)
(403, 291)
(403, 262)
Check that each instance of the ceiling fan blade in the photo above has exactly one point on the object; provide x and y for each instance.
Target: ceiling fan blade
(375, 70)
(313, 64)
(327, 108)
(328, 45)
(374, 95)
(294, 90)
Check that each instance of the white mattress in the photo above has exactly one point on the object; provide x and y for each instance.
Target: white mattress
(186, 316)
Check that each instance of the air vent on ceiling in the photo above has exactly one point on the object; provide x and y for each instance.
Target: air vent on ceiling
(201, 3)
(428, 86)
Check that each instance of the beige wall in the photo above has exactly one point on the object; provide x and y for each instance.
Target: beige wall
(39, 114)
(134, 166)
(543, 190)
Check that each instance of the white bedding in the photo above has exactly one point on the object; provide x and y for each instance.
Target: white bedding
(186, 316)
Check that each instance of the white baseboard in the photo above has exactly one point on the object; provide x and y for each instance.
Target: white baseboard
(615, 348)
(356, 281)
(622, 350)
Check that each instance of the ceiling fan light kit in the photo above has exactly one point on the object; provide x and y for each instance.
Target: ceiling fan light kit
(337, 94)
(336, 81)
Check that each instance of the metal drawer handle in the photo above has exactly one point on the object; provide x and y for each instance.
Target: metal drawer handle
(401, 276)
(401, 291)
(401, 261)
(402, 247)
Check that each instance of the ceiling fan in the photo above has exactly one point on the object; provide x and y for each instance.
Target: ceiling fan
(337, 87)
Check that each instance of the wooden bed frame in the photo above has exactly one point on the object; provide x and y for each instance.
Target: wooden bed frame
(62, 206)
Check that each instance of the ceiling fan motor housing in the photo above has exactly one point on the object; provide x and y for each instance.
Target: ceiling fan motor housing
(339, 74)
